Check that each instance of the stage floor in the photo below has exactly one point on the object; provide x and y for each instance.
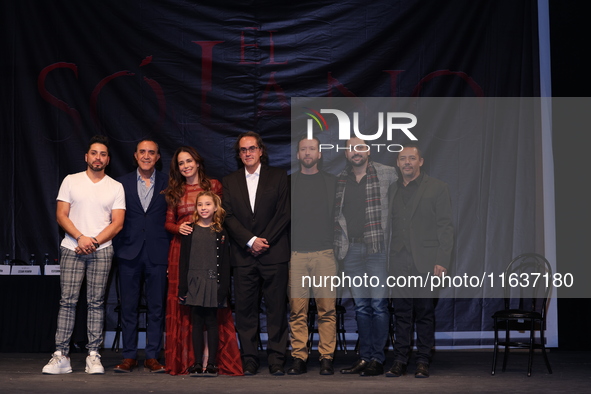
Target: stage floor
(451, 372)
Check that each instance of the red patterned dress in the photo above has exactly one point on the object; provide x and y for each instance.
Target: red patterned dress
(178, 349)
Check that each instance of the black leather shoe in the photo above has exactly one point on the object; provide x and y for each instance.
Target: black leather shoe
(250, 368)
(359, 366)
(298, 367)
(196, 369)
(326, 367)
(422, 370)
(277, 370)
(374, 368)
(211, 371)
(397, 370)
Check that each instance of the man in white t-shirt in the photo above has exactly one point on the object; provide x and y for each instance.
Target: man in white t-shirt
(91, 210)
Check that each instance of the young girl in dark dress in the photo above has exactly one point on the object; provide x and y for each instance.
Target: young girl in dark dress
(204, 277)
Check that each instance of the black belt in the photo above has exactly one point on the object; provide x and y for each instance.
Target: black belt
(356, 240)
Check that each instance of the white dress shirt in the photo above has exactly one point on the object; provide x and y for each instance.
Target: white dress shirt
(252, 184)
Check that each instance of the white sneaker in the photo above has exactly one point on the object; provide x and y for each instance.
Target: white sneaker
(93, 364)
(58, 364)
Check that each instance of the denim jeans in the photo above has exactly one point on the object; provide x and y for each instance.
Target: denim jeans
(371, 299)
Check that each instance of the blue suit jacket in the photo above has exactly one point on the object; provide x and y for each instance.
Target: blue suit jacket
(143, 227)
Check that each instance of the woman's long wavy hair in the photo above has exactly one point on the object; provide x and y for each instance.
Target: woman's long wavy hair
(218, 216)
(176, 180)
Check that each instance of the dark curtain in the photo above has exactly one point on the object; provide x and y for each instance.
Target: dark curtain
(199, 73)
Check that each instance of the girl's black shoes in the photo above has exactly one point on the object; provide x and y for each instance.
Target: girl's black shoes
(196, 370)
(211, 371)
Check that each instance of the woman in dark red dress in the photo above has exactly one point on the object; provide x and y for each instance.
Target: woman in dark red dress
(186, 179)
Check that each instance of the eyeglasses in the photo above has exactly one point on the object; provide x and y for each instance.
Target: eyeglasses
(251, 149)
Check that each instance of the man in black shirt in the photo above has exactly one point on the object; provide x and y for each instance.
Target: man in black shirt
(312, 257)
(420, 245)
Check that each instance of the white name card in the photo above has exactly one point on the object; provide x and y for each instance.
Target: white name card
(52, 269)
(4, 270)
(25, 270)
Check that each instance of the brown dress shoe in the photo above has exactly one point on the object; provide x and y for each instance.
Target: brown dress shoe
(153, 365)
(127, 365)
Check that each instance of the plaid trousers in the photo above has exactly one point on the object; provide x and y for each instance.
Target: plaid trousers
(73, 267)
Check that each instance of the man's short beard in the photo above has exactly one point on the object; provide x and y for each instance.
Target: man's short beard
(308, 165)
(92, 168)
(358, 164)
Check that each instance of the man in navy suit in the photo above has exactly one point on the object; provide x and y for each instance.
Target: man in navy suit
(256, 200)
(142, 251)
